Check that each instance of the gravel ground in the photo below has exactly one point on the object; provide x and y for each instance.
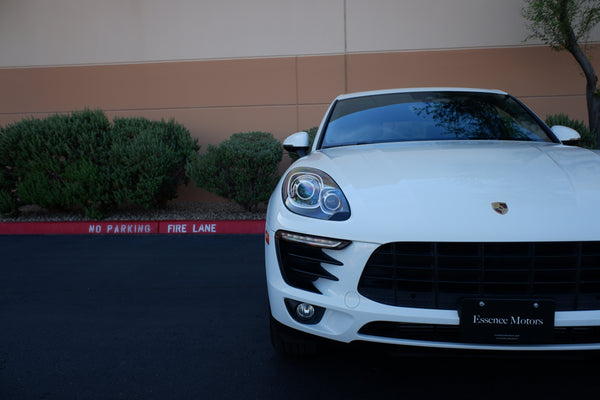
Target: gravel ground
(174, 211)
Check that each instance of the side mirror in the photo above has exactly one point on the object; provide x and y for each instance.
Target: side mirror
(297, 143)
(566, 135)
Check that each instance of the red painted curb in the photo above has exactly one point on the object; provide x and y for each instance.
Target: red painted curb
(133, 227)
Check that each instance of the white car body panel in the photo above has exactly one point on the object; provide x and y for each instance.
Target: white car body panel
(438, 191)
(347, 311)
(456, 182)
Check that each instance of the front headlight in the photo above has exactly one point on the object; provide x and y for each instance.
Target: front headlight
(312, 193)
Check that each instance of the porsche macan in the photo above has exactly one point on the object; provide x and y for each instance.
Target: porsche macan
(436, 217)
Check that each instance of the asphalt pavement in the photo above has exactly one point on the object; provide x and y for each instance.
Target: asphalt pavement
(185, 317)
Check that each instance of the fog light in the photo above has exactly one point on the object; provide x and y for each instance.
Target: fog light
(305, 311)
(307, 314)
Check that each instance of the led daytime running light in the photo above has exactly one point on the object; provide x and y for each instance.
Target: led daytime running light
(316, 241)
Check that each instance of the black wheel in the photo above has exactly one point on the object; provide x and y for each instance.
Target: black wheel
(289, 342)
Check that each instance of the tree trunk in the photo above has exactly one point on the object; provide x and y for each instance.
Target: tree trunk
(593, 101)
(593, 104)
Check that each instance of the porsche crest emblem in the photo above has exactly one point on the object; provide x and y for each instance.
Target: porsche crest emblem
(500, 208)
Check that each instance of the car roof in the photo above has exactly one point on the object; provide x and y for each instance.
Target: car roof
(421, 89)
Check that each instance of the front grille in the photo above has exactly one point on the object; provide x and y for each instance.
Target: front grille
(300, 264)
(438, 275)
(451, 333)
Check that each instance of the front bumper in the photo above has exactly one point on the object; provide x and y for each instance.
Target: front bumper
(349, 316)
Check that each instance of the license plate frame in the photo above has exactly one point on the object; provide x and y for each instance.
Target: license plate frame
(507, 322)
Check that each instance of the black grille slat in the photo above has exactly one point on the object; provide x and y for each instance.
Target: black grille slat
(303, 258)
(438, 275)
(301, 264)
(314, 274)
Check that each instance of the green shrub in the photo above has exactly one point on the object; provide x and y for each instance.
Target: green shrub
(243, 168)
(148, 160)
(47, 162)
(82, 162)
(588, 140)
(8, 202)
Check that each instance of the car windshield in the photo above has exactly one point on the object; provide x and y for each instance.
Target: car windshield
(420, 116)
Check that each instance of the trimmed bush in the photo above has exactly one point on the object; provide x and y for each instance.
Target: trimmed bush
(588, 140)
(59, 162)
(8, 203)
(149, 159)
(242, 168)
(81, 162)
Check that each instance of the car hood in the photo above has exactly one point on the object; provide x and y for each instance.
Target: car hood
(444, 191)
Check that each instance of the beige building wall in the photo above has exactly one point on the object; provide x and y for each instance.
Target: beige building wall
(67, 32)
(225, 66)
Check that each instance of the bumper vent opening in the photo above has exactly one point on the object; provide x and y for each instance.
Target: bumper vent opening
(300, 263)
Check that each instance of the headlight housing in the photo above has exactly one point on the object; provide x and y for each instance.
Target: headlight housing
(312, 193)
